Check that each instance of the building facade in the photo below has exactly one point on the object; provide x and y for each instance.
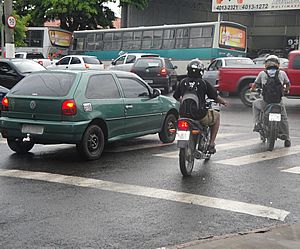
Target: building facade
(268, 31)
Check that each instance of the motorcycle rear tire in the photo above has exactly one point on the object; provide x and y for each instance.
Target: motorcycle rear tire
(272, 134)
(187, 158)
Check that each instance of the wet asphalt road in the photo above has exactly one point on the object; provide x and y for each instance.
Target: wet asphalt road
(45, 213)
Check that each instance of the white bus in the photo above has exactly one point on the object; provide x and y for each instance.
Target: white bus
(180, 42)
(51, 42)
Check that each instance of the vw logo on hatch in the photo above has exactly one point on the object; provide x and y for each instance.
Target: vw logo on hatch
(32, 104)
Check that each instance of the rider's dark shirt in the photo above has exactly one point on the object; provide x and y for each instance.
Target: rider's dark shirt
(204, 89)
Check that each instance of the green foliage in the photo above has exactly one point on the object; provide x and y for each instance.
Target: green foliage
(20, 29)
(73, 14)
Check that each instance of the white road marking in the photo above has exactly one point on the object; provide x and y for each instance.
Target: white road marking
(219, 147)
(154, 143)
(263, 156)
(200, 200)
(136, 147)
(294, 170)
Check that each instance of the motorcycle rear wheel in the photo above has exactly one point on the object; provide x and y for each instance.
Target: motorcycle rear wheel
(187, 159)
(272, 134)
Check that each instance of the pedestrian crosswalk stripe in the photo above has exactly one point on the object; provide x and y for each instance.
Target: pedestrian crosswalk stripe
(263, 156)
(219, 147)
(294, 170)
(192, 199)
(225, 135)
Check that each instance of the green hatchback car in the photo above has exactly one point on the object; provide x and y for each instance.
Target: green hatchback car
(86, 108)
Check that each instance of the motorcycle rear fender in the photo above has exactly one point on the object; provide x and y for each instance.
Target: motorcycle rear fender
(182, 144)
(273, 108)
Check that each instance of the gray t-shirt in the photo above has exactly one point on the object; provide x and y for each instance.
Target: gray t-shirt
(262, 78)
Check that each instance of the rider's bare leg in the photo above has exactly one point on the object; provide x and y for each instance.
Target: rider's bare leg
(214, 131)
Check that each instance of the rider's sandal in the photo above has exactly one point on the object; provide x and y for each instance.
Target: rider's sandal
(287, 143)
(211, 149)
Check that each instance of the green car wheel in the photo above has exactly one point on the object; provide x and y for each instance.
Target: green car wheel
(165, 135)
(19, 146)
(92, 143)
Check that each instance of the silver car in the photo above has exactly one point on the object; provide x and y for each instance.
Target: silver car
(125, 61)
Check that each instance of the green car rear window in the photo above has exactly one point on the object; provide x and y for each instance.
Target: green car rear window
(45, 84)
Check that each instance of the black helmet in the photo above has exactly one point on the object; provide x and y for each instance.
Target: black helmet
(272, 61)
(195, 68)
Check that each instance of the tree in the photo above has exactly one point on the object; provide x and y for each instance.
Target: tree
(20, 29)
(73, 14)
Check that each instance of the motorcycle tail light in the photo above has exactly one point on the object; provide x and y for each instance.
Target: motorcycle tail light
(183, 125)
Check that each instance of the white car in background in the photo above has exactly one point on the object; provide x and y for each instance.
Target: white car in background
(77, 62)
(37, 57)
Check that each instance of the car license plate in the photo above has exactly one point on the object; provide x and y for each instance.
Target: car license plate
(182, 135)
(274, 117)
(149, 81)
(32, 129)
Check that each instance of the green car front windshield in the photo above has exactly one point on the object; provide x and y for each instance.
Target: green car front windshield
(45, 84)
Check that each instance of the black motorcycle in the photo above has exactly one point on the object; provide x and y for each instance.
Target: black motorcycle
(270, 119)
(192, 140)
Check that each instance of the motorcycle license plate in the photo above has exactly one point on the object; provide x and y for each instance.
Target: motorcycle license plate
(274, 117)
(182, 135)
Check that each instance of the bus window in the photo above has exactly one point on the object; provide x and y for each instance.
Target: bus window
(117, 41)
(157, 39)
(128, 40)
(182, 38)
(201, 37)
(169, 39)
(147, 39)
(132, 40)
(90, 42)
(34, 38)
(99, 42)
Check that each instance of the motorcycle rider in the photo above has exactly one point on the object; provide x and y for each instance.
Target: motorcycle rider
(272, 65)
(195, 70)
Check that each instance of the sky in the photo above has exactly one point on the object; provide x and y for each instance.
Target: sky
(114, 7)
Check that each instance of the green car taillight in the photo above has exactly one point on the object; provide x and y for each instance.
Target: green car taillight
(69, 107)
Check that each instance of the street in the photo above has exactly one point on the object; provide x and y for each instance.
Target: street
(136, 197)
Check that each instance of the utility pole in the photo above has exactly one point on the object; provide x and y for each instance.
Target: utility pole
(9, 31)
(2, 29)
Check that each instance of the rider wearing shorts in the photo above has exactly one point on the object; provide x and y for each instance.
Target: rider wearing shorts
(211, 117)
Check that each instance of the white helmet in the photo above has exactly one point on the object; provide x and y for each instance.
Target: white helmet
(272, 61)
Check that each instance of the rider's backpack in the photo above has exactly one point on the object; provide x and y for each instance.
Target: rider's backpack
(272, 90)
(191, 106)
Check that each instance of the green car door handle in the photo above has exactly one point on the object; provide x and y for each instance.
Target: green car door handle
(129, 106)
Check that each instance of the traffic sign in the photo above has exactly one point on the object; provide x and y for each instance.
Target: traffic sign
(11, 22)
